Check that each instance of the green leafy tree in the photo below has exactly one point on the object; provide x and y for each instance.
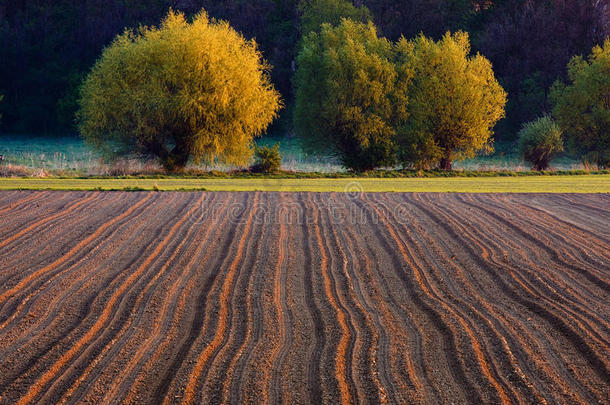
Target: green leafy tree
(539, 142)
(267, 159)
(454, 102)
(181, 90)
(348, 95)
(314, 13)
(582, 107)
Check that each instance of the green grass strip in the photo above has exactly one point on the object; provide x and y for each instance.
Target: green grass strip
(529, 184)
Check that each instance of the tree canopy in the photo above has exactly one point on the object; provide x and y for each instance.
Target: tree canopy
(582, 107)
(346, 94)
(177, 91)
(314, 13)
(454, 101)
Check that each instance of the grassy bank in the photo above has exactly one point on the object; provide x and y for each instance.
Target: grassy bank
(599, 183)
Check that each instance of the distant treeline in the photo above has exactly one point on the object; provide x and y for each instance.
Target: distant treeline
(46, 48)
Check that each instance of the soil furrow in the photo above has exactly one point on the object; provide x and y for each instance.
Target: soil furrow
(215, 344)
(172, 305)
(342, 361)
(27, 280)
(322, 298)
(59, 269)
(37, 338)
(530, 302)
(283, 313)
(74, 351)
(424, 284)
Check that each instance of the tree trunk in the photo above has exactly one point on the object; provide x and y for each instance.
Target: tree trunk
(446, 161)
(176, 160)
(541, 164)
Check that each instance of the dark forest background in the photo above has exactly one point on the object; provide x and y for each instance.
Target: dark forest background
(46, 47)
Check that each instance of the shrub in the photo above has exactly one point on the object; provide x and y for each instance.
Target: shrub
(539, 141)
(582, 108)
(267, 159)
(182, 90)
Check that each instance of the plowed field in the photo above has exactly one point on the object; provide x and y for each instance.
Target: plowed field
(304, 298)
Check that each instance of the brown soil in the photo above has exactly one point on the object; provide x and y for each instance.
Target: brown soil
(304, 298)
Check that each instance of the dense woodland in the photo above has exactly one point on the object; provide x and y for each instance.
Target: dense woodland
(46, 48)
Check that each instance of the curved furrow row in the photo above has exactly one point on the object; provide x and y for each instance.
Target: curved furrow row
(22, 216)
(480, 254)
(552, 236)
(590, 249)
(63, 235)
(313, 363)
(17, 299)
(591, 203)
(127, 337)
(60, 232)
(23, 203)
(194, 308)
(17, 220)
(359, 267)
(548, 290)
(48, 219)
(462, 292)
(94, 357)
(442, 337)
(363, 370)
(236, 384)
(87, 292)
(555, 291)
(210, 350)
(409, 345)
(49, 295)
(562, 284)
(557, 251)
(172, 300)
(222, 377)
(559, 294)
(343, 357)
(447, 311)
(590, 223)
(487, 260)
(235, 264)
(6, 197)
(74, 250)
(249, 383)
(38, 335)
(304, 298)
(284, 317)
(111, 309)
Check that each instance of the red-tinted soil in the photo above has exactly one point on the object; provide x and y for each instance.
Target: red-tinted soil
(304, 298)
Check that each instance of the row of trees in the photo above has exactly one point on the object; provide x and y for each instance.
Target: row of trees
(376, 103)
(201, 90)
(45, 54)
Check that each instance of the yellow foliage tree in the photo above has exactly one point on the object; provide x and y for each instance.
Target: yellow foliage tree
(454, 101)
(349, 94)
(182, 90)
